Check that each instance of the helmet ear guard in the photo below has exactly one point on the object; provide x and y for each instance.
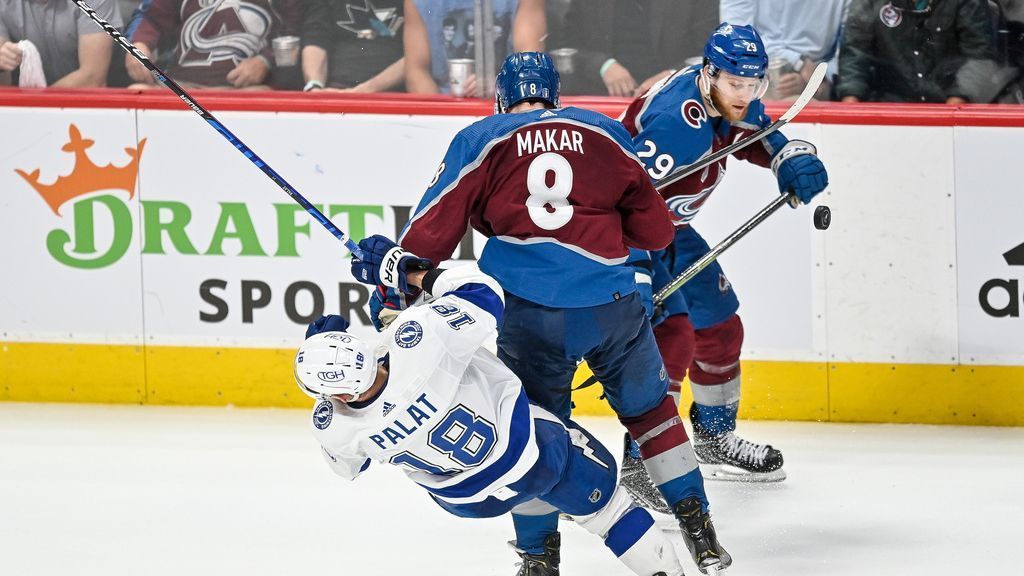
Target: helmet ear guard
(526, 76)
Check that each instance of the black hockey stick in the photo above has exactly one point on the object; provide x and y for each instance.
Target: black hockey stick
(806, 96)
(234, 140)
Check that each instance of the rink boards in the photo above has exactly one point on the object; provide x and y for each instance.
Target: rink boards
(193, 286)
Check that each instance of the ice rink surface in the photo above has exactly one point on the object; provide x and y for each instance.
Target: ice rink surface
(91, 490)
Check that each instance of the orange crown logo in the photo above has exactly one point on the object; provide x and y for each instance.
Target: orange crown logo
(86, 177)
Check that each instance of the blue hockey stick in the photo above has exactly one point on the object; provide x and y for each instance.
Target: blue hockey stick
(234, 140)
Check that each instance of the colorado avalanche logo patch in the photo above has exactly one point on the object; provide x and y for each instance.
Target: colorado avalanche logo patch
(323, 414)
(409, 334)
(890, 16)
(693, 113)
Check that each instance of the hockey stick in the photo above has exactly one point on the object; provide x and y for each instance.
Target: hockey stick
(238, 144)
(707, 259)
(806, 96)
(722, 246)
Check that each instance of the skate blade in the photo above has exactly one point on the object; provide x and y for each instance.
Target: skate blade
(727, 473)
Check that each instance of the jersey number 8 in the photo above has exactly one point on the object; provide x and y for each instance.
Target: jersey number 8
(549, 206)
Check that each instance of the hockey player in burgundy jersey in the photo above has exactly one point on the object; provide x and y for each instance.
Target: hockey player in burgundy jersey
(561, 196)
(692, 113)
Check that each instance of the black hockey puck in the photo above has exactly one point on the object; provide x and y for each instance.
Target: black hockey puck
(822, 217)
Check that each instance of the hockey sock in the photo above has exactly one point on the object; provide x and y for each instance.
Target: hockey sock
(675, 338)
(667, 453)
(532, 530)
(715, 376)
(629, 532)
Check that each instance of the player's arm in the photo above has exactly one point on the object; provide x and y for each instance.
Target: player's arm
(646, 223)
(344, 464)
(418, 76)
(465, 307)
(442, 216)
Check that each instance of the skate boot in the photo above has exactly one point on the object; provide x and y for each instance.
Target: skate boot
(699, 536)
(729, 457)
(638, 484)
(545, 564)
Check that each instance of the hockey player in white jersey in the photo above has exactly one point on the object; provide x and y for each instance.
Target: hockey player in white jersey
(431, 399)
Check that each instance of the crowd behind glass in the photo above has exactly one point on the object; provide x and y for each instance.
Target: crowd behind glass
(952, 51)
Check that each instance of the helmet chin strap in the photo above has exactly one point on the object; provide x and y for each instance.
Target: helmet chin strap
(704, 83)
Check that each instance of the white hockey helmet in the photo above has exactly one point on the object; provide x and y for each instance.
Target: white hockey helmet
(332, 363)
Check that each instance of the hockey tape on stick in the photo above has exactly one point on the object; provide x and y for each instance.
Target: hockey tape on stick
(722, 246)
(227, 134)
(806, 96)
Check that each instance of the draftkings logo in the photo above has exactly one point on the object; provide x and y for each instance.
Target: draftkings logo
(1001, 297)
(79, 188)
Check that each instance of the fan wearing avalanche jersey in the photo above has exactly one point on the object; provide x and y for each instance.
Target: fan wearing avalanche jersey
(691, 114)
(431, 400)
(561, 196)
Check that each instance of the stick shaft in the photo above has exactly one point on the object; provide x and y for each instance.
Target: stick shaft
(227, 134)
(722, 246)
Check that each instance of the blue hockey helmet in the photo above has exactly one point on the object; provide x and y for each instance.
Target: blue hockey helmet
(526, 76)
(737, 50)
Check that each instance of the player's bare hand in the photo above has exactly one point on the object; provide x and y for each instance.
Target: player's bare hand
(10, 56)
(646, 85)
(249, 72)
(790, 84)
(619, 81)
(136, 71)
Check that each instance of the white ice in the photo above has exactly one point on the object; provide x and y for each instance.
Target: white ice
(128, 490)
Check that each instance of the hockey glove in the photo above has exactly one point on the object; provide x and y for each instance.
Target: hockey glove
(386, 263)
(329, 323)
(385, 305)
(798, 169)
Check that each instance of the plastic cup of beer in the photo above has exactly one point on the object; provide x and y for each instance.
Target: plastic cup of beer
(286, 50)
(459, 71)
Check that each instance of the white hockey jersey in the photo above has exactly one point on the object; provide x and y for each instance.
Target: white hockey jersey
(451, 415)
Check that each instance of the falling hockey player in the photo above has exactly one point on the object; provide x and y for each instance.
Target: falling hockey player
(690, 114)
(433, 401)
(561, 195)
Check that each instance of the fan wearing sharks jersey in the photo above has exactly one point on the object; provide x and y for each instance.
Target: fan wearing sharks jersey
(694, 112)
(561, 196)
(433, 401)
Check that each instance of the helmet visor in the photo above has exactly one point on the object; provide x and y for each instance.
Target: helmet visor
(732, 88)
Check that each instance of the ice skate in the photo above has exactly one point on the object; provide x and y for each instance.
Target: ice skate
(729, 457)
(634, 478)
(545, 564)
(699, 536)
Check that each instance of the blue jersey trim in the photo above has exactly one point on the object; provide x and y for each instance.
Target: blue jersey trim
(519, 435)
(483, 297)
(628, 530)
(554, 276)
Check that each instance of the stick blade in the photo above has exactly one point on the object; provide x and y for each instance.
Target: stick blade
(808, 94)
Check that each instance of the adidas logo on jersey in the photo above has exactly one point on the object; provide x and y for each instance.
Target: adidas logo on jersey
(548, 114)
(388, 407)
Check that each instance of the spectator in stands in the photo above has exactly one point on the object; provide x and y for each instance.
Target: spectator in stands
(626, 46)
(353, 48)
(912, 50)
(219, 44)
(73, 50)
(798, 37)
(436, 30)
